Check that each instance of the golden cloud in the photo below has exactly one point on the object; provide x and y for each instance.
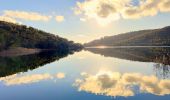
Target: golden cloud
(7, 19)
(116, 84)
(59, 18)
(60, 75)
(32, 16)
(28, 79)
(17, 80)
(165, 6)
(107, 11)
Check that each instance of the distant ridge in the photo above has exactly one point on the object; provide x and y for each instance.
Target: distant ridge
(153, 37)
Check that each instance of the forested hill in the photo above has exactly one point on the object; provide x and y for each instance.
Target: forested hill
(155, 37)
(13, 35)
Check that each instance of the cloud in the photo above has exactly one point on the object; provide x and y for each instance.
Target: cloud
(165, 6)
(104, 83)
(17, 80)
(28, 79)
(145, 8)
(101, 10)
(83, 19)
(15, 15)
(107, 11)
(60, 75)
(23, 15)
(116, 84)
(7, 19)
(59, 18)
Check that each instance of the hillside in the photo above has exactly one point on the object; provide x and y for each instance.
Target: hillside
(155, 37)
(13, 35)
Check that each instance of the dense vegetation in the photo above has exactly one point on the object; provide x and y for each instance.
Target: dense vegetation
(156, 37)
(13, 35)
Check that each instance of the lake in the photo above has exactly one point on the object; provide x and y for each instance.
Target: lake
(91, 74)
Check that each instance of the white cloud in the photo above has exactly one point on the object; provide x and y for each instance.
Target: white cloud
(116, 84)
(83, 19)
(107, 11)
(31, 16)
(59, 18)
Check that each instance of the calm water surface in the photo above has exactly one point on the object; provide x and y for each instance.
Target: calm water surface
(91, 74)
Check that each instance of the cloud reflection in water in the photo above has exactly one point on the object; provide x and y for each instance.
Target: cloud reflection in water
(117, 84)
(28, 79)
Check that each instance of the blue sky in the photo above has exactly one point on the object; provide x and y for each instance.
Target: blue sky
(73, 28)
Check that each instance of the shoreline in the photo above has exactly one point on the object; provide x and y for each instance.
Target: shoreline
(19, 51)
(105, 47)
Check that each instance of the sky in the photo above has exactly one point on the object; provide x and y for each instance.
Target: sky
(85, 20)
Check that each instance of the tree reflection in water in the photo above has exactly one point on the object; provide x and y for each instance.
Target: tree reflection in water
(158, 55)
(13, 65)
(162, 71)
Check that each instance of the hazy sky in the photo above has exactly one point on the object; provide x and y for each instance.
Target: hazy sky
(85, 20)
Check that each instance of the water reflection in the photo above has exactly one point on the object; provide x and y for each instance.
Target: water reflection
(105, 76)
(116, 84)
(162, 71)
(60, 75)
(13, 65)
(157, 55)
(160, 56)
(19, 79)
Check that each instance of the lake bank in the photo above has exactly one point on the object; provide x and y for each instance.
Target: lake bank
(100, 47)
(19, 51)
